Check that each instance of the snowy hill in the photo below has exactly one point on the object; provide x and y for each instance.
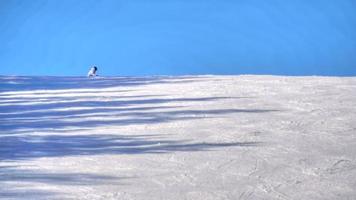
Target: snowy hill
(188, 137)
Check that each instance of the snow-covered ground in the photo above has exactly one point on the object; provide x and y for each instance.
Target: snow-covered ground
(187, 137)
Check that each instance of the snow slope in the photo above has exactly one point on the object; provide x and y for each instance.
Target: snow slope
(187, 137)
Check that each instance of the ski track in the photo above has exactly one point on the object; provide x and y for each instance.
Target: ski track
(184, 137)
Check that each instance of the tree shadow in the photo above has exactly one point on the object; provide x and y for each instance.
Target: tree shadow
(27, 120)
(21, 148)
(60, 114)
(30, 83)
(31, 176)
(50, 98)
(20, 193)
(14, 148)
(86, 102)
(85, 113)
(17, 183)
(57, 109)
(61, 120)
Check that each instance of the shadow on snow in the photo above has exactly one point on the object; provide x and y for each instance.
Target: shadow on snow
(54, 116)
(27, 178)
(20, 116)
(28, 147)
(30, 83)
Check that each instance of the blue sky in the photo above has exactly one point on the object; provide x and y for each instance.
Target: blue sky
(177, 37)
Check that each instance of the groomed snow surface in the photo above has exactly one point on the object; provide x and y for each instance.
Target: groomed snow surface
(185, 137)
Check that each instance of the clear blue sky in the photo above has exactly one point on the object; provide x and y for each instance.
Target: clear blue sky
(175, 37)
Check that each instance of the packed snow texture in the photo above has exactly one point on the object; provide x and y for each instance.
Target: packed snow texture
(185, 137)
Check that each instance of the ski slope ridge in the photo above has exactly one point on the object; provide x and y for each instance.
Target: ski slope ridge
(178, 137)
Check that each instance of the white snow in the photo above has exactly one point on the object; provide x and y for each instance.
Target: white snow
(184, 137)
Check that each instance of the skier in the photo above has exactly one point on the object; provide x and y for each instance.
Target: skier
(92, 71)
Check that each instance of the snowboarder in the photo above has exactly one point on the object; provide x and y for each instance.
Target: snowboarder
(92, 71)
